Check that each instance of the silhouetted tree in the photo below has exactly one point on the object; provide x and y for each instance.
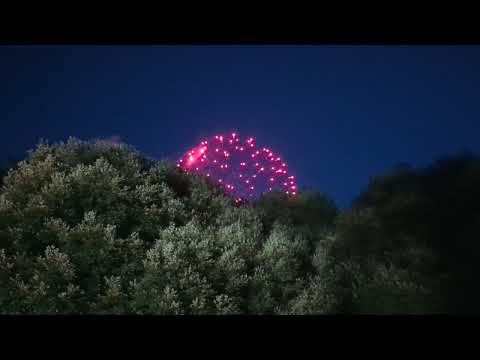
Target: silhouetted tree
(435, 210)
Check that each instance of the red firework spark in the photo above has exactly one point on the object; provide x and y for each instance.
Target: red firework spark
(240, 167)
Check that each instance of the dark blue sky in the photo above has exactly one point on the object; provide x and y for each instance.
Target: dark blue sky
(337, 114)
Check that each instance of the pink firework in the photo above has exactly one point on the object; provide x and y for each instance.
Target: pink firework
(244, 170)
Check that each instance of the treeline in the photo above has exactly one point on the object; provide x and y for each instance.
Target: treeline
(95, 227)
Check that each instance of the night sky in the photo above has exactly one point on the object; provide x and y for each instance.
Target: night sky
(337, 114)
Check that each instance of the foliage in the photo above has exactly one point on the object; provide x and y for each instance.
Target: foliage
(95, 227)
(422, 222)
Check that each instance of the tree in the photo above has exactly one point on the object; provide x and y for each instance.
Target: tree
(95, 227)
(430, 213)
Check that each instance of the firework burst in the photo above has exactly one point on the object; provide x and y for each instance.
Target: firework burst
(242, 168)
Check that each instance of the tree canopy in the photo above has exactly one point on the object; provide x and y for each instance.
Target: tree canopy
(96, 227)
(93, 227)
